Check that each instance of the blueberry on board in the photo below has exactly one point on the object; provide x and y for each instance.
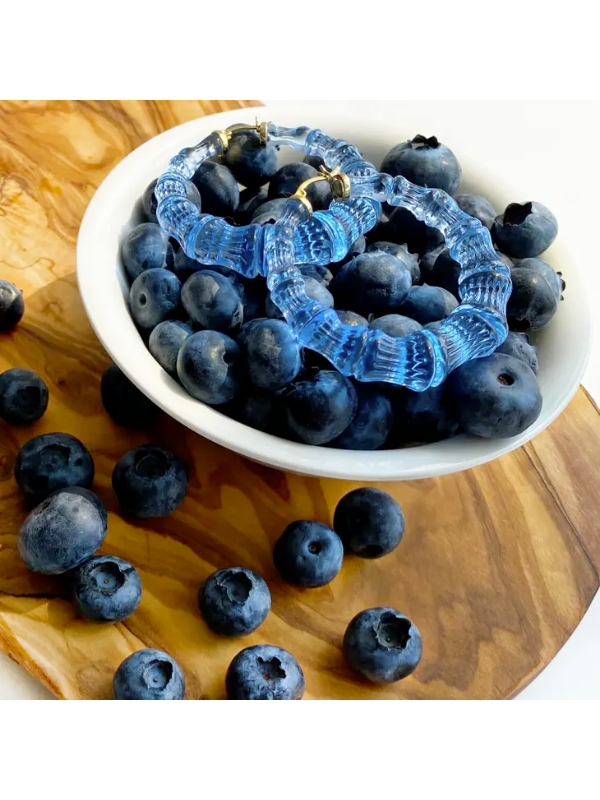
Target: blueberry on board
(524, 230)
(89, 495)
(270, 352)
(318, 409)
(149, 675)
(369, 522)
(165, 341)
(213, 302)
(373, 283)
(124, 402)
(532, 302)
(218, 189)
(478, 207)
(517, 345)
(252, 163)
(210, 367)
(150, 203)
(395, 325)
(308, 554)
(313, 288)
(147, 246)
(288, 178)
(494, 397)
(382, 645)
(372, 422)
(405, 228)
(318, 272)
(154, 296)
(264, 672)
(234, 601)
(554, 278)
(427, 304)
(60, 533)
(256, 408)
(250, 200)
(423, 417)
(106, 589)
(445, 273)
(269, 212)
(150, 481)
(52, 461)
(23, 396)
(12, 306)
(352, 318)
(424, 161)
(400, 251)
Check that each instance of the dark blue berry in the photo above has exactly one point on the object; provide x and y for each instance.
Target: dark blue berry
(428, 304)
(213, 302)
(445, 273)
(532, 302)
(264, 672)
(373, 283)
(12, 306)
(150, 481)
(476, 206)
(165, 341)
(124, 402)
(525, 230)
(271, 353)
(155, 295)
(427, 261)
(256, 408)
(218, 189)
(371, 424)
(318, 409)
(60, 533)
(149, 675)
(106, 589)
(313, 288)
(352, 318)
(150, 203)
(23, 396)
(269, 212)
(252, 163)
(250, 200)
(369, 522)
(288, 178)
(234, 601)
(400, 251)
(210, 366)
(146, 247)
(308, 554)
(52, 461)
(405, 228)
(395, 325)
(314, 161)
(554, 278)
(494, 397)
(382, 645)
(517, 345)
(426, 162)
(423, 417)
(89, 495)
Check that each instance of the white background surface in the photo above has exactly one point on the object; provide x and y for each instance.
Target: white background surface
(548, 149)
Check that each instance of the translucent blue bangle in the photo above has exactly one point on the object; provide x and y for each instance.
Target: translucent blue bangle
(419, 360)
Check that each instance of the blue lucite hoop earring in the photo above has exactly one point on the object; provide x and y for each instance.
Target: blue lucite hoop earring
(418, 360)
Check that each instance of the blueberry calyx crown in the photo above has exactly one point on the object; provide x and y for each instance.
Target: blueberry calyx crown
(271, 668)
(393, 632)
(425, 141)
(517, 213)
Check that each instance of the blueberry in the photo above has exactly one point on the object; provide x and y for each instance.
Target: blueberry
(554, 278)
(264, 672)
(150, 203)
(428, 304)
(424, 161)
(23, 396)
(427, 261)
(150, 481)
(269, 212)
(314, 161)
(445, 272)
(106, 589)
(60, 533)
(218, 189)
(318, 409)
(234, 601)
(288, 178)
(165, 341)
(369, 522)
(525, 230)
(252, 163)
(476, 206)
(532, 302)
(271, 353)
(149, 675)
(155, 295)
(517, 345)
(146, 247)
(423, 417)
(12, 306)
(318, 272)
(250, 200)
(256, 408)
(209, 366)
(399, 251)
(124, 402)
(313, 288)
(308, 554)
(373, 283)
(494, 397)
(382, 645)
(352, 318)
(52, 461)
(405, 228)
(213, 302)
(371, 424)
(89, 495)
(395, 325)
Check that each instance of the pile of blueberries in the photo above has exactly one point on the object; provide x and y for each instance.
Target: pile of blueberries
(221, 336)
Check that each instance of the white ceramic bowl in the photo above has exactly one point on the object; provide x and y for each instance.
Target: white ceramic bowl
(563, 346)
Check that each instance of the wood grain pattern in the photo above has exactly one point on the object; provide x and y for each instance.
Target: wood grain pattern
(497, 566)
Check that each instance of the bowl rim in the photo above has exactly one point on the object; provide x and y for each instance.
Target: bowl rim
(140, 367)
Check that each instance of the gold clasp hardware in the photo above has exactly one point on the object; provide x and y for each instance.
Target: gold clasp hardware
(339, 182)
(259, 127)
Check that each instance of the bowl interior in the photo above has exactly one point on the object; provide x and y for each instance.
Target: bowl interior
(563, 346)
